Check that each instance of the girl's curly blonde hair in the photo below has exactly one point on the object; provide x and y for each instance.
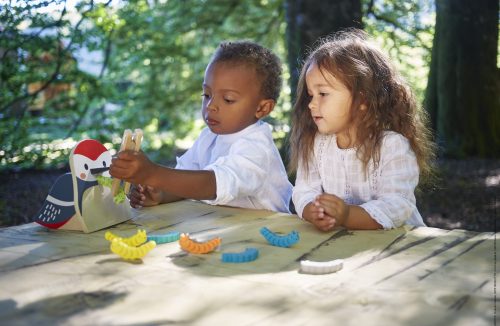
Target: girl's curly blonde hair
(372, 80)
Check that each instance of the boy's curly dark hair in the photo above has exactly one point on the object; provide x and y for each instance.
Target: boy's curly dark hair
(267, 65)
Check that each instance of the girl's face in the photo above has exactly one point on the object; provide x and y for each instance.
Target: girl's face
(231, 97)
(330, 104)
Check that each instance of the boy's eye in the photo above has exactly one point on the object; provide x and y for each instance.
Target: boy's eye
(229, 101)
(205, 96)
(323, 94)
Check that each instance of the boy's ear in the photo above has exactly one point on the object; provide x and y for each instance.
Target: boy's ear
(265, 107)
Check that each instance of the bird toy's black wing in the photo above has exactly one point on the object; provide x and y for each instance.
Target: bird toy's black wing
(59, 206)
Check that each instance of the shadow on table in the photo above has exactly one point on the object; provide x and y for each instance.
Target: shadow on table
(57, 308)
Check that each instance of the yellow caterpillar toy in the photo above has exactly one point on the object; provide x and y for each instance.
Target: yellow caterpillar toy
(129, 252)
(130, 248)
(137, 239)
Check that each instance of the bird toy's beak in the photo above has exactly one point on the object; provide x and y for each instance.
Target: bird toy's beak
(99, 170)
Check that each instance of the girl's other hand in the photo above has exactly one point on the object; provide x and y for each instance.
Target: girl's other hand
(333, 206)
(315, 214)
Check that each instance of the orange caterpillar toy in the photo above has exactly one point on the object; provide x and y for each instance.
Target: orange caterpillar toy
(194, 247)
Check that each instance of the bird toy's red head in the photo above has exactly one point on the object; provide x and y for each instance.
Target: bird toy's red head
(90, 157)
(90, 148)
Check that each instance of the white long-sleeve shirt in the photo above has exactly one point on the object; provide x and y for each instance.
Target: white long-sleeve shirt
(248, 169)
(386, 193)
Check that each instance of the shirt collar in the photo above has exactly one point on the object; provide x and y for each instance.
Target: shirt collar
(241, 133)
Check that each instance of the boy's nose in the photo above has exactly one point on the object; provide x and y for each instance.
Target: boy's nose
(211, 106)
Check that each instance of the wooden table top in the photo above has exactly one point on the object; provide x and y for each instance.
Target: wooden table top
(405, 276)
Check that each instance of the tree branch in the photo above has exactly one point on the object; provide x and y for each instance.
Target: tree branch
(370, 11)
(58, 66)
(101, 74)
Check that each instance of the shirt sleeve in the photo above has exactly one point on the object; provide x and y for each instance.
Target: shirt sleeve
(395, 200)
(241, 173)
(307, 186)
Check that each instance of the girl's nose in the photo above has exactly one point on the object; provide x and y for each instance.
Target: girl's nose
(311, 105)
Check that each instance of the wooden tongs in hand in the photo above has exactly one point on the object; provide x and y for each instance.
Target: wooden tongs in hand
(130, 141)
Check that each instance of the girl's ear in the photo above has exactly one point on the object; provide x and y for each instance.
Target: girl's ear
(265, 107)
(363, 105)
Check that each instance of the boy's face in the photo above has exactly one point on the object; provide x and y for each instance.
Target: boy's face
(231, 98)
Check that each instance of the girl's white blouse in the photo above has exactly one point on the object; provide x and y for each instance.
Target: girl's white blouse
(385, 192)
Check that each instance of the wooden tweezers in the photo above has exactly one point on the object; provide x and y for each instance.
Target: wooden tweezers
(130, 141)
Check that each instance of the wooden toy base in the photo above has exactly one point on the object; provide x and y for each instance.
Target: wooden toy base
(100, 211)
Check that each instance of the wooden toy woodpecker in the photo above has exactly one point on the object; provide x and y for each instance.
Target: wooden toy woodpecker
(88, 159)
(76, 201)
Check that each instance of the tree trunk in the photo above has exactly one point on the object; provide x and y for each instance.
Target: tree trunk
(462, 92)
(309, 20)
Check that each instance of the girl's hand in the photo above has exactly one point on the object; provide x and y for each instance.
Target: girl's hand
(333, 206)
(131, 166)
(145, 196)
(315, 214)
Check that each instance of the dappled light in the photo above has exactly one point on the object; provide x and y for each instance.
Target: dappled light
(341, 165)
(492, 180)
(432, 276)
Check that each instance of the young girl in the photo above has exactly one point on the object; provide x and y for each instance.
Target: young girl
(234, 161)
(358, 140)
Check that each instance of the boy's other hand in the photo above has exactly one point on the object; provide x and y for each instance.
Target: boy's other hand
(144, 196)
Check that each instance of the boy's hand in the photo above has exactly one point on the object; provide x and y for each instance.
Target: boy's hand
(131, 166)
(315, 214)
(145, 196)
(333, 206)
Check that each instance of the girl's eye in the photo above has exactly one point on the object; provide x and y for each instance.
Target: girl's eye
(205, 96)
(323, 94)
(228, 101)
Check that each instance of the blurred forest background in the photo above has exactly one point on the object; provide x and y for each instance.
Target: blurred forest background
(90, 69)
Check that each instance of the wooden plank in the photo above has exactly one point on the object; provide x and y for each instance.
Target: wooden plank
(406, 276)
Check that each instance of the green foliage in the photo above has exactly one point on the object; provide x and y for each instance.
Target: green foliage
(153, 58)
(405, 29)
(155, 53)
(37, 59)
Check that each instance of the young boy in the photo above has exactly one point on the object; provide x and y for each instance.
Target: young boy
(234, 161)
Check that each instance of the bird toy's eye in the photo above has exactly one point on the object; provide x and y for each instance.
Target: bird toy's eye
(86, 166)
(104, 163)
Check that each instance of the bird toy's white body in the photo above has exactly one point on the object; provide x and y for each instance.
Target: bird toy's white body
(79, 202)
